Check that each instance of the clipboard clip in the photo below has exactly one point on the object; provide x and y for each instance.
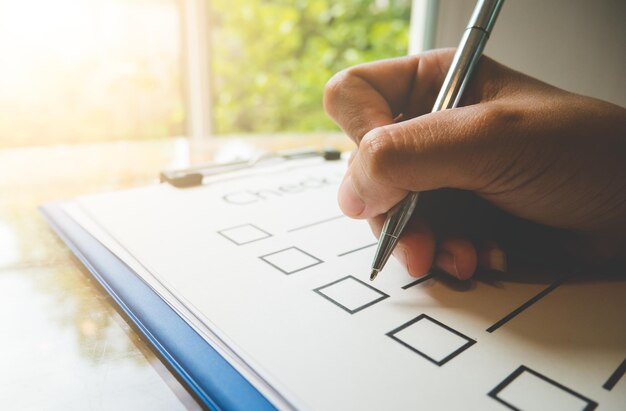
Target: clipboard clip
(193, 176)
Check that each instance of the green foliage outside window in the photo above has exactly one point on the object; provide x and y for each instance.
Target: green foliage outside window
(271, 59)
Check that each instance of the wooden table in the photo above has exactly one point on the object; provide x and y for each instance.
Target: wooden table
(63, 343)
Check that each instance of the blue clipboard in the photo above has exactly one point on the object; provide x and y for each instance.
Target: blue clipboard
(206, 373)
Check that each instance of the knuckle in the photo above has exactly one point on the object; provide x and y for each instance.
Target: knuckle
(497, 117)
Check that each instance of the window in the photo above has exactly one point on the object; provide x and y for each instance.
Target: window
(96, 70)
(271, 59)
(82, 71)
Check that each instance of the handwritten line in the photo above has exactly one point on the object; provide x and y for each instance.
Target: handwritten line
(356, 249)
(528, 303)
(418, 281)
(615, 377)
(316, 223)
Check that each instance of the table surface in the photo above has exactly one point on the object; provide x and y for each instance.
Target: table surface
(64, 345)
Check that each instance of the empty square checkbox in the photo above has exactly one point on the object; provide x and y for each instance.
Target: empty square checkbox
(431, 339)
(290, 260)
(526, 389)
(244, 234)
(351, 294)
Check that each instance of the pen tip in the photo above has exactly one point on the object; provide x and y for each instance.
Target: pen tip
(373, 274)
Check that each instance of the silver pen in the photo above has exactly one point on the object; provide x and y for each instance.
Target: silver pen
(467, 55)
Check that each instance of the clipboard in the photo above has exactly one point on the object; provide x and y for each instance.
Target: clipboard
(401, 307)
(212, 380)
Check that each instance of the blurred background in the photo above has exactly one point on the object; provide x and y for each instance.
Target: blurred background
(75, 71)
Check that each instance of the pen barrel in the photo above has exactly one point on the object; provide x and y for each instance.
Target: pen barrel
(400, 214)
(463, 64)
(397, 219)
(485, 15)
(468, 54)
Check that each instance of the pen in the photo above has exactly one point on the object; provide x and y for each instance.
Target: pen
(467, 55)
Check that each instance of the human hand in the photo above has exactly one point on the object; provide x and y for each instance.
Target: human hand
(521, 168)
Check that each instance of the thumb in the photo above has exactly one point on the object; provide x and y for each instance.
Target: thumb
(455, 148)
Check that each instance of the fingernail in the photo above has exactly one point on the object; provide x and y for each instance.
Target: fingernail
(349, 201)
(496, 260)
(447, 262)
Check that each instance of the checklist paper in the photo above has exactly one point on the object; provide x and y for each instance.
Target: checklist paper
(266, 268)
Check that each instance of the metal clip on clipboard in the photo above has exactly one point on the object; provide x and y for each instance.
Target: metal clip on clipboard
(193, 176)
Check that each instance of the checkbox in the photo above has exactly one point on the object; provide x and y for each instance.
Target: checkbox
(351, 294)
(526, 389)
(290, 260)
(244, 234)
(431, 339)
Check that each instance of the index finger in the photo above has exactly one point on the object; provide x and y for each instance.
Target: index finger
(371, 95)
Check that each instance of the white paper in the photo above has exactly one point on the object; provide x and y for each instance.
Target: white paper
(266, 268)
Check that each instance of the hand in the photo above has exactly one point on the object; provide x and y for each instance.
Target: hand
(522, 168)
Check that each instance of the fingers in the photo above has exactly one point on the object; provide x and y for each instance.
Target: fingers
(352, 202)
(461, 148)
(418, 252)
(456, 257)
(415, 248)
(492, 257)
(371, 95)
(460, 258)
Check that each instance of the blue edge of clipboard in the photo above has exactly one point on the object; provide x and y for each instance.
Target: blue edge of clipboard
(213, 380)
